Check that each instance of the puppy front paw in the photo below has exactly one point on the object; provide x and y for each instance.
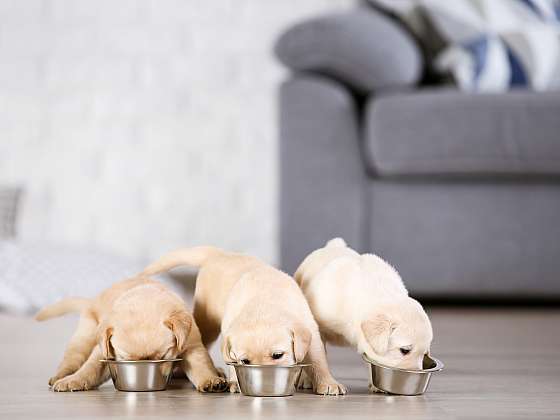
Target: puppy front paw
(330, 388)
(54, 378)
(71, 383)
(213, 384)
(233, 387)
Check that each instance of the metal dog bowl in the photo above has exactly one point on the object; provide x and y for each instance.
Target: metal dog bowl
(140, 375)
(268, 380)
(403, 381)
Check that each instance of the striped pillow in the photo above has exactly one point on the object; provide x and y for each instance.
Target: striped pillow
(488, 45)
(9, 198)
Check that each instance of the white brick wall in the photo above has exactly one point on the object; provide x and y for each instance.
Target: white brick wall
(142, 125)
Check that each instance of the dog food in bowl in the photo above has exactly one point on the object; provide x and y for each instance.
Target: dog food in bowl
(403, 381)
(267, 380)
(140, 375)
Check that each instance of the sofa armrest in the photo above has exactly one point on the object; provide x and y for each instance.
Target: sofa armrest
(362, 48)
(322, 175)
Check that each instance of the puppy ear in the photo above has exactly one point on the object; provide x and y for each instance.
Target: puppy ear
(180, 323)
(226, 350)
(377, 331)
(104, 335)
(301, 339)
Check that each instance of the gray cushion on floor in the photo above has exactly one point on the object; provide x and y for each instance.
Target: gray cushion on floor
(362, 48)
(34, 273)
(448, 132)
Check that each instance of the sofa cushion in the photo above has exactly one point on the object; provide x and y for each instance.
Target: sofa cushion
(446, 132)
(361, 48)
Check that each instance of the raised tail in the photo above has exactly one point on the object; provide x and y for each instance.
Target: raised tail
(62, 307)
(192, 257)
(336, 243)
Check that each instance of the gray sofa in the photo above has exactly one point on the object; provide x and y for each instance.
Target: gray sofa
(461, 192)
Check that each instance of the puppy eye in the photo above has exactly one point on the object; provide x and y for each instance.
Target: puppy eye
(404, 350)
(277, 355)
(245, 361)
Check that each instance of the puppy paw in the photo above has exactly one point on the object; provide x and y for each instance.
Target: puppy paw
(70, 384)
(55, 378)
(233, 387)
(213, 384)
(330, 388)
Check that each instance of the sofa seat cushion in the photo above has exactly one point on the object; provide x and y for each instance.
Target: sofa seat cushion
(446, 132)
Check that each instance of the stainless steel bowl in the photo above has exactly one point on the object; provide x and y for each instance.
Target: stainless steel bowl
(140, 375)
(267, 380)
(403, 381)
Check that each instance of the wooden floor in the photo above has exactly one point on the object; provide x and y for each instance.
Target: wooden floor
(500, 364)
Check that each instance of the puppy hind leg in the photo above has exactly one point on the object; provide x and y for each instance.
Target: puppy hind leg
(79, 348)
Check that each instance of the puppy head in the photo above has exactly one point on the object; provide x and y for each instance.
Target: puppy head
(136, 337)
(397, 335)
(267, 345)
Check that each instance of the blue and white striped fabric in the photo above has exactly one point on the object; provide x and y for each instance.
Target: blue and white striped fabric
(489, 45)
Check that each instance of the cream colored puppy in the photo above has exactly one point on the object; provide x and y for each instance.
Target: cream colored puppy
(360, 300)
(136, 319)
(260, 311)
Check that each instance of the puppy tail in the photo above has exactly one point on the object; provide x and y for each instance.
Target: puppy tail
(336, 243)
(61, 308)
(192, 257)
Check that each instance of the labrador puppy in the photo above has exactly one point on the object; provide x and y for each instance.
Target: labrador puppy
(360, 301)
(260, 311)
(135, 319)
